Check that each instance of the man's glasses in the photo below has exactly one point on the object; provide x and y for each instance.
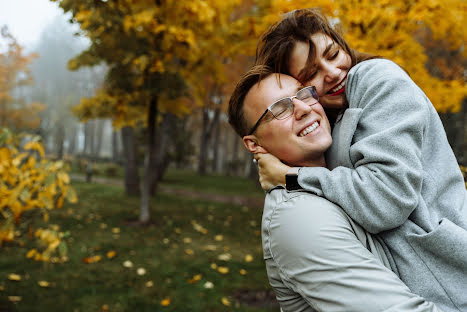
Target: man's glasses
(284, 108)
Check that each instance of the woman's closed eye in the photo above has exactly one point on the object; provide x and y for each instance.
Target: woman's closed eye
(333, 55)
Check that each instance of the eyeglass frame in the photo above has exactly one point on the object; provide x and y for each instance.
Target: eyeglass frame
(290, 98)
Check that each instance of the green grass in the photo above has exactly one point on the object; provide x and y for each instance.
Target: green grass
(190, 180)
(159, 248)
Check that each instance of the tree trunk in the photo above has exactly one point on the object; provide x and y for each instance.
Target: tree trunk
(131, 161)
(206, 133)
(98, 136)
(72, 140)
(233, 167)
(59, 140)
(161, 161)
(145, 214)
(216, 143)
(115, 147)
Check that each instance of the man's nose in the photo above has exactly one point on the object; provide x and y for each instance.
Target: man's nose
(301, 109)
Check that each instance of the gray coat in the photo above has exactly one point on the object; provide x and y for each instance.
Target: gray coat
(392, 170)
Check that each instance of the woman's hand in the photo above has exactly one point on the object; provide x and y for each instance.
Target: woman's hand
(271, 171)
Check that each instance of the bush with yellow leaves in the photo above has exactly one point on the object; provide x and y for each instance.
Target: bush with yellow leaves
(29, 181)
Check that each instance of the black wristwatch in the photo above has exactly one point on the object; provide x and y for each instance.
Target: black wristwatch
(291, 179)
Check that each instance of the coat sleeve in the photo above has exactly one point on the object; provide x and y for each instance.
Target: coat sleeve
(384, 185)
(316, 254)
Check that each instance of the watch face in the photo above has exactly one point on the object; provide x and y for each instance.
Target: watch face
(291, 182)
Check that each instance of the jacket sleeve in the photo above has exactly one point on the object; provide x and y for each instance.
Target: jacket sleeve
(384, 185)
(317, 255)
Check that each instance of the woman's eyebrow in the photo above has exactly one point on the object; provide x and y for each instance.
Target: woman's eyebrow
(328, 48)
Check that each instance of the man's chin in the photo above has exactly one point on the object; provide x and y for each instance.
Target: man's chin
(336, 101)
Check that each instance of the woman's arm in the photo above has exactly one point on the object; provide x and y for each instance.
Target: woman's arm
(384, 187)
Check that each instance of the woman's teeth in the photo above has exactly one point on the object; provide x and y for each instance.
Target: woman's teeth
(309, 129)
(340, 86)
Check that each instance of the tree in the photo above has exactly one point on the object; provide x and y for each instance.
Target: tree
(15, 73)
(156, 51)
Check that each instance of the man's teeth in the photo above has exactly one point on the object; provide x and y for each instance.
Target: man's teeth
(309, 129)
(340, 86)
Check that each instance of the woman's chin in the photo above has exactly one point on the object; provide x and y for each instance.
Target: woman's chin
(333, 101)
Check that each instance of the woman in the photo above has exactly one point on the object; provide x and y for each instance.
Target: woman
(390, 167)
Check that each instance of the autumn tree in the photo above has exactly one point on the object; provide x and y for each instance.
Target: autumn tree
(155, 51)
(15, 73)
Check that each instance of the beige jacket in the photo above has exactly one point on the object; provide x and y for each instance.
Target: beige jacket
(318, 259)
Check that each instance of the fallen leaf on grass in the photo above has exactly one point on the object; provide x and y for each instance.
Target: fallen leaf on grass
(189, 252)
(14, 298)
(218, 237)
(165, 302)
(208, 285)
(31, 253)
(116, 230)
(105, 308)
(111, 254)
(248, 258)
(92, 259)
(213, 266)
(242, 271)
(224, 257)
(128, 264)
(141, 271)
(187, 240)
(149, 284)
(223, 270)
(43, 283)
(195, 278)
(210, 248)
(14, 277)
(226, 302)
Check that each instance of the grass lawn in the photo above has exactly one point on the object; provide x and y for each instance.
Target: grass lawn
(179, 254)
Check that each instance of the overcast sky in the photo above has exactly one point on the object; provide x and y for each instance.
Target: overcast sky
(27, 18)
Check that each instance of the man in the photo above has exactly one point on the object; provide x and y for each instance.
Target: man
(317, 258)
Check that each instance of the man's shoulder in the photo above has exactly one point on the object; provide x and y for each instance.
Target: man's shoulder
(301, 212)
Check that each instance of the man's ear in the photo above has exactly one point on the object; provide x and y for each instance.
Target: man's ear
(252, 144)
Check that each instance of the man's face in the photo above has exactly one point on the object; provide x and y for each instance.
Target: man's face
(299, 140)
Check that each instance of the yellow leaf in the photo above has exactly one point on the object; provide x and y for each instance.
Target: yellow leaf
(195, 278)
(43, 283)
(242, 271)
(111, 254)
(165, 302)
(31, 253)
(248, 258)
(189, 252)
(14, 298)
(226, 302)
(14, 277)
(218, 237)
(223, 270)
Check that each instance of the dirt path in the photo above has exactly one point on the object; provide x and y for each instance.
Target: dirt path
(253, 202)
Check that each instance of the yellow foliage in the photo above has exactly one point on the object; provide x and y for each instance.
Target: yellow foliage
(28, 181)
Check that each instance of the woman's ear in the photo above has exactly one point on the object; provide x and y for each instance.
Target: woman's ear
(252, 144)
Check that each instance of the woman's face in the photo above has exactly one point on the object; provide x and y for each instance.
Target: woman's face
(328, 72)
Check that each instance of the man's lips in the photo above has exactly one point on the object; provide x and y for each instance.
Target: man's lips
(308, 129)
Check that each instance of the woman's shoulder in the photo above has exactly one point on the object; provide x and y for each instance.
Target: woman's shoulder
(378, 67)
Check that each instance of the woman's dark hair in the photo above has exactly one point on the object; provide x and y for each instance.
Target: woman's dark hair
(276, 45)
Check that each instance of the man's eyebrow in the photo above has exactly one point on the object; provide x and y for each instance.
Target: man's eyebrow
(328, 48)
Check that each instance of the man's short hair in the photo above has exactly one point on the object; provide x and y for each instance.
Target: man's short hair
(237, 99)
